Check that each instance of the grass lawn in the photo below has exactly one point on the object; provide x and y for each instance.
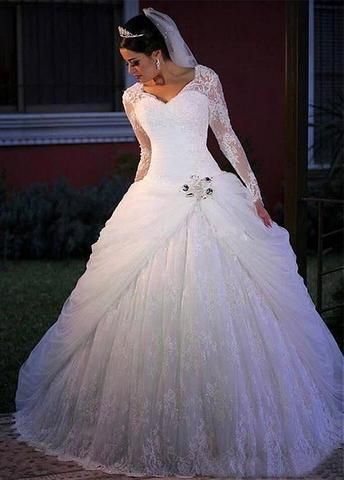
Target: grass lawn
(32, 293)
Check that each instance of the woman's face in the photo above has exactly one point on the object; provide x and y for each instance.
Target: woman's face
(141, 66)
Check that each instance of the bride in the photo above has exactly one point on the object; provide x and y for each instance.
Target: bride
(190, 345)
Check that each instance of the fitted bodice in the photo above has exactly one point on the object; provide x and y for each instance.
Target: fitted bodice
(177, 131)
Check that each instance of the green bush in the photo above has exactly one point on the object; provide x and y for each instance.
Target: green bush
(57, 221)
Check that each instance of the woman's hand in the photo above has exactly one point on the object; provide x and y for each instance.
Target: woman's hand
(263, 214)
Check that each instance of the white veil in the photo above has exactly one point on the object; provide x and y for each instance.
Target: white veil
(179, 52)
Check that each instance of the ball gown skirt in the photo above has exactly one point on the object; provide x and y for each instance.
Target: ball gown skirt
(189, 346)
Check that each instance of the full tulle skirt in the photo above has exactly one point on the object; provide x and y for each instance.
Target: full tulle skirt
(189, 346)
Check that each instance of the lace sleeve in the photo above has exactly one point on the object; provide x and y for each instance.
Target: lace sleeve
(142, 137)
(228, 141)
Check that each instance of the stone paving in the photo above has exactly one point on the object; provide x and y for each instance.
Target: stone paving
(18, 461)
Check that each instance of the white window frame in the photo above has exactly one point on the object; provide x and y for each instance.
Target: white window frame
(65, 128)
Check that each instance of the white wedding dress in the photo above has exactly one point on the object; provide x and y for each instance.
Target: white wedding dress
(190, 345)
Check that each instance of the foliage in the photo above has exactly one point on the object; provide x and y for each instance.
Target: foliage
(329, 121)
(57, 221)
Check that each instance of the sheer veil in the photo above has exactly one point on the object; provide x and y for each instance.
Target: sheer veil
(179, 51)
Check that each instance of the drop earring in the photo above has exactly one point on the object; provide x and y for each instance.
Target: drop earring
(157, 64)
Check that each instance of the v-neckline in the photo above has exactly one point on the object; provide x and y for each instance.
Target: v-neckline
(180, 91)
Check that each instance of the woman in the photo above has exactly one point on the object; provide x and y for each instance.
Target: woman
(190, 345)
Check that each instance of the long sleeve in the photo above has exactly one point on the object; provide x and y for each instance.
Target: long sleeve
(227, 139)
(142, 137)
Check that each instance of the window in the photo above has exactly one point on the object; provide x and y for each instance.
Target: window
(61, 76)
(326, 75)
(60, 56)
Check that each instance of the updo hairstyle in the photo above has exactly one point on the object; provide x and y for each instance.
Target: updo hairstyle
(152, 39)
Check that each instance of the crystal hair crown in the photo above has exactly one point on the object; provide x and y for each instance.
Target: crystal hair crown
(126, 34)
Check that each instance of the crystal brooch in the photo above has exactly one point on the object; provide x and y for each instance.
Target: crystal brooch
(198, 187)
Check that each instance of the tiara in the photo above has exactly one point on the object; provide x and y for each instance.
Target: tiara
(126, 34)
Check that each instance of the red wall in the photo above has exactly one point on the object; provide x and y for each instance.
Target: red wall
(243, 41)
(80, 164)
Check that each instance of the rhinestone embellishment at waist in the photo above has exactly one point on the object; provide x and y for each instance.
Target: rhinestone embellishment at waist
(198, 187)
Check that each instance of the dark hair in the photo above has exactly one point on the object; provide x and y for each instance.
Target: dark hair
(152, 39)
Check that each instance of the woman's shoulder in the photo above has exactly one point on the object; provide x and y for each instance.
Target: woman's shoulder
(205, 69)
(206, 73)
(131, 92)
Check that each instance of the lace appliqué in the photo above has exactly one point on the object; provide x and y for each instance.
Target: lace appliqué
(227, 139)
(200, 188)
